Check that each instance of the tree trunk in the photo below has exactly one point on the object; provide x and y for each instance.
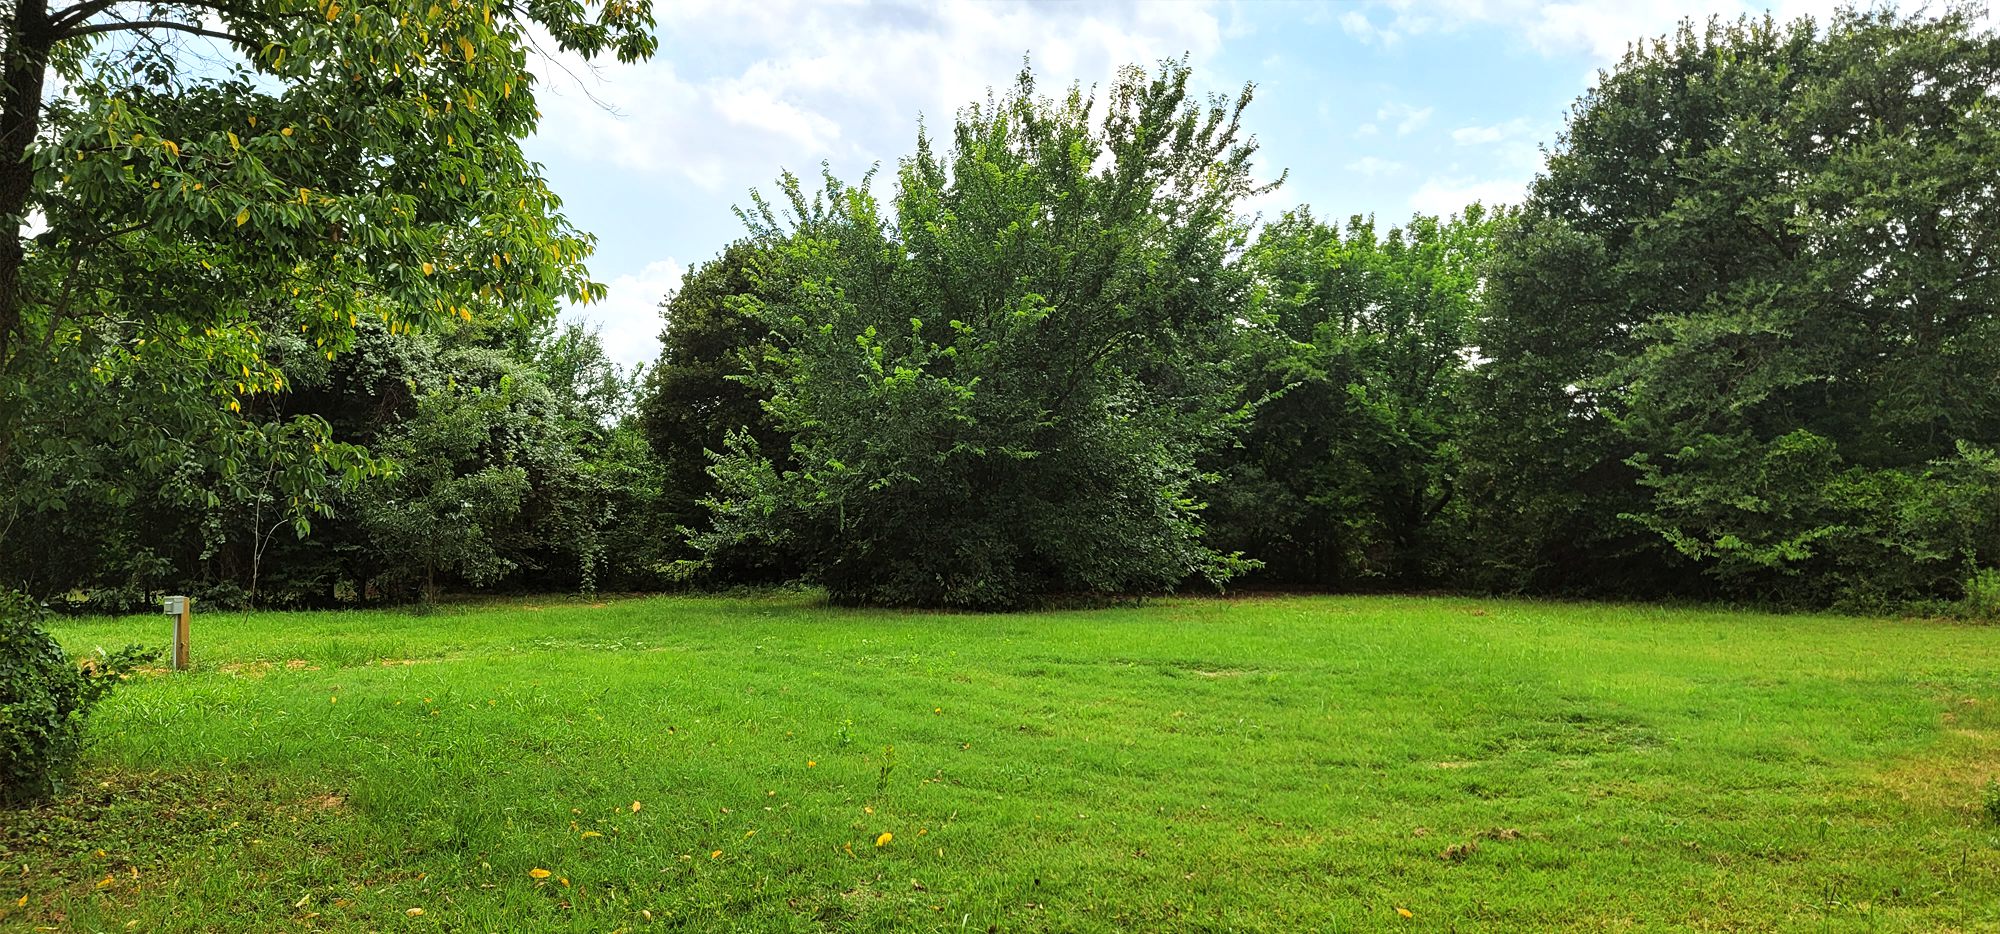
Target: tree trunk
(21, 77)
(26, 58)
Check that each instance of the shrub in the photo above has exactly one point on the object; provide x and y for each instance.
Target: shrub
(1982, 595)
(44, 699)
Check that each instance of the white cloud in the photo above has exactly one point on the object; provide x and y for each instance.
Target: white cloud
(1408, 119)
(1373, 166)
(1474, 135)
(1357, 24)
(629, 315)
(1599, 29)
(1515, 129)
(1445, 195)
(741, 90)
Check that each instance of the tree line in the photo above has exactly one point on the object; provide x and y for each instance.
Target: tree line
(1738, 342)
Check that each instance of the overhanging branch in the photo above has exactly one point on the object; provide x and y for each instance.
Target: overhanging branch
(147, 25)
(70, 16)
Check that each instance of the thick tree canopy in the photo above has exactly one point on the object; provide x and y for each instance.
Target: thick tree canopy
(1356, 356)
(1752, 312)
(699, 391)
(997, 394)
(184, 182)
(279, 269)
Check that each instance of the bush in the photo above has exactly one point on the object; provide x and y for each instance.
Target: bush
(1982, 595)
(44, 699)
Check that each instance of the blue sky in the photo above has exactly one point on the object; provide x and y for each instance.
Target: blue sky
(1374, 106)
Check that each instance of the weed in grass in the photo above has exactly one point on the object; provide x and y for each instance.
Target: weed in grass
(887, 766)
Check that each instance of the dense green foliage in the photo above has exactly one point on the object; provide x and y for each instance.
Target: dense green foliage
(1346, 475)
(44, 699)
(1287, 764)
(1737, 343)
(998, 393)
(347, 163)
(502, 455)
(215, 232)
(701, 389)
(1747, 324)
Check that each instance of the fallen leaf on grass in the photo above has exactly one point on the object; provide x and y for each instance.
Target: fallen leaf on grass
(636, 806)
(414, 912)
(884, 839)
(1405, 912)
(538, 873)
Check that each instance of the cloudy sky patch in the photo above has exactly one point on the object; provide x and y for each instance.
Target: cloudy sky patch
(1382, 107)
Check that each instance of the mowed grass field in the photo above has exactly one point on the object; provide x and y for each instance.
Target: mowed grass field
(1282, 764)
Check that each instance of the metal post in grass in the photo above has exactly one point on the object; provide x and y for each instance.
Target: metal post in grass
(182, 610)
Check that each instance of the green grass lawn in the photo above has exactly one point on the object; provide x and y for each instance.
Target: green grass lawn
(1263, 764)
